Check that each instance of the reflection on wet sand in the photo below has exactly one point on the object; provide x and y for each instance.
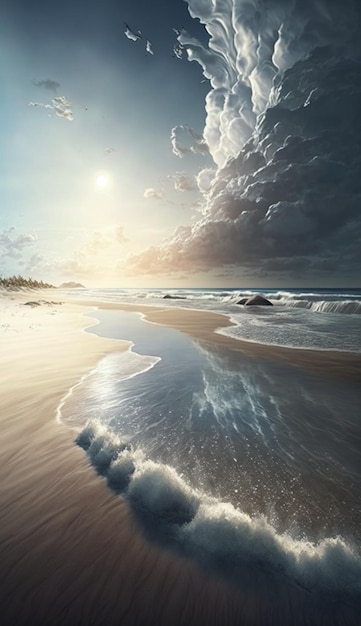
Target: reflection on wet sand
(72, 550)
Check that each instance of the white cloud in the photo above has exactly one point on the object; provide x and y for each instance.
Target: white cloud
(205, 178)
(186, 140)
(62, 107)
(182, 182)
(60, 104)
(98, 257)
(40, 104)
(14, 245)
(153, 193)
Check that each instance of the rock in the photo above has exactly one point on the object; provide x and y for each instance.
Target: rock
(169, 297)
(32, 303)
(71, 285)
(255, 300)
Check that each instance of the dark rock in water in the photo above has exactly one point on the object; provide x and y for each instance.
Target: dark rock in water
(32, 303)
(255, 300)
(169, 297)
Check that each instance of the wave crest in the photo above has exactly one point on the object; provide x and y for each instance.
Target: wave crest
(216, 532)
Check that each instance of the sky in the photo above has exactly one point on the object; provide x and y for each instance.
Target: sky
(181, 143)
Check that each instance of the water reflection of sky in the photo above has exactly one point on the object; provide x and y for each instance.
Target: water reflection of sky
(265, 436)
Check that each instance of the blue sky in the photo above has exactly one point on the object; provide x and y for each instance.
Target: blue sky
(121, 167)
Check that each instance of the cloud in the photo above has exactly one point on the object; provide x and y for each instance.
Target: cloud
(205, 178)
(182, 182)
(62, 107)
(153, 193)
(283, 128)
(100, 242)
(49, 84)
(178, 51)
(97, 257)
(40, 104)
(34, 262)
(14, 245)
(119, 235)
(60, 104)
(186, 140)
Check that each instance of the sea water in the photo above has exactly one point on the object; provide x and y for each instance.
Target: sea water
(240, 463)
(323, 319)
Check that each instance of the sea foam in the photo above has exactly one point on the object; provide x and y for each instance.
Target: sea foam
(216, 532)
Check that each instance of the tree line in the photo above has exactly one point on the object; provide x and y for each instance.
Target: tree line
(15, 282)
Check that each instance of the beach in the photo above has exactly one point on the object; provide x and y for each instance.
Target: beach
(71, 550)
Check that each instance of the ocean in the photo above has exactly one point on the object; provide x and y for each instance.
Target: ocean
(249, 466)
(301, 318)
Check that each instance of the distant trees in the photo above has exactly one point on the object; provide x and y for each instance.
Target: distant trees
(19, 282)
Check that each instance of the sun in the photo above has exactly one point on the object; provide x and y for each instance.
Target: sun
(101, 181)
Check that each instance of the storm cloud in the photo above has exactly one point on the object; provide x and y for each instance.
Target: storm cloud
(283, 128)
(186, 140)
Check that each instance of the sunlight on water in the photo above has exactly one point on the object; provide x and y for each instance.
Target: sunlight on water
(228, 452)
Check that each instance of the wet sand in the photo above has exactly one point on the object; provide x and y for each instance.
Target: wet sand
(201, 325)
(70, 550)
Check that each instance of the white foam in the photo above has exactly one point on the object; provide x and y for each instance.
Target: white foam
(207, 528)
(295, 328)
(126, 364)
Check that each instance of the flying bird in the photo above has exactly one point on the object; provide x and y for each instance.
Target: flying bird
(148, 47)
(131, 34)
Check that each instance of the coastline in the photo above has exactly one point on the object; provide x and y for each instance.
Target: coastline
(70, 549)
(202, 325)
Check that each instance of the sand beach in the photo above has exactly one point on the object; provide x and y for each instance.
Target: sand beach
(71, 551)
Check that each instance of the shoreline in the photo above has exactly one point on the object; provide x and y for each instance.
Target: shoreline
(202, 325)
(71, 551)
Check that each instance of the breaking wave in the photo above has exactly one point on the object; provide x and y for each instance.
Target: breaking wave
(346, 303)
(342, 301)
(214, 532)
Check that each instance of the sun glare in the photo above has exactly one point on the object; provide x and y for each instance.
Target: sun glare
(101, 181)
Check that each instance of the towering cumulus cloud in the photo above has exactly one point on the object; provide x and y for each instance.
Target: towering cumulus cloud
(283, 128)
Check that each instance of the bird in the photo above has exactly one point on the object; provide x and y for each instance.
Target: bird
(148, 47)
(131, 34)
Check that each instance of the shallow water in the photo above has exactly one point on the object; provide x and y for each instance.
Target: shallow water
(323, 319)
(224, 456)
